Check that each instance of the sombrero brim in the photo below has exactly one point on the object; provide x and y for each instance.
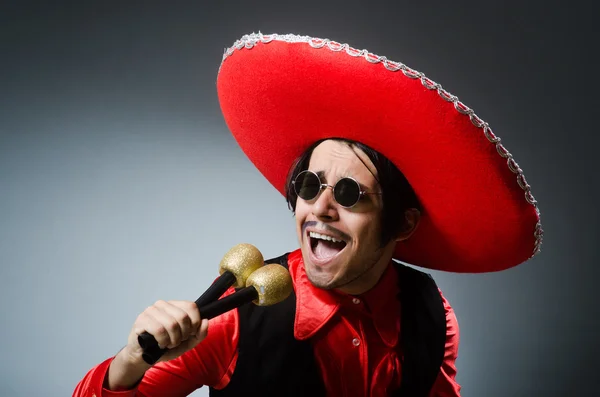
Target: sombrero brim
(281, 93)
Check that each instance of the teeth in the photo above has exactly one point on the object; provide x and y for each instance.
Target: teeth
(324, 237)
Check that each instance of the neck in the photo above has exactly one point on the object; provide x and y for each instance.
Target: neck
(369, 279)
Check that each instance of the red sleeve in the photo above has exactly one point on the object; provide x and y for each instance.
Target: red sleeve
(210, 363)
(445, 384)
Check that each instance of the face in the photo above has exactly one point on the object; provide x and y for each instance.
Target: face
(356, 264)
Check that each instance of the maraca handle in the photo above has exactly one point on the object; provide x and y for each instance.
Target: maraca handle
(151, 350)
(147, 341)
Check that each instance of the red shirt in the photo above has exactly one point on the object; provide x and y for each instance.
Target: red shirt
(355, 343)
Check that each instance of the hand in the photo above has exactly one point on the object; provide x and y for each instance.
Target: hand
(176, 325)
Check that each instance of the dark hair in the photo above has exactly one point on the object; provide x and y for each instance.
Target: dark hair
(397, 193)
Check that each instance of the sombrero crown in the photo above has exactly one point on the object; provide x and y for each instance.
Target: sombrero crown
(281, 93)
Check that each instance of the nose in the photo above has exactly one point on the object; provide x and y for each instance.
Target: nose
(324, 207)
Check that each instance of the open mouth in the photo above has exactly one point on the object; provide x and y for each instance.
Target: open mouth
(325, 247)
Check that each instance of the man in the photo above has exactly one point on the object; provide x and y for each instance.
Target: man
(378, 163)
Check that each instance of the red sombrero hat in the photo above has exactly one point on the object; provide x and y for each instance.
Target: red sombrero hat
(281, 93)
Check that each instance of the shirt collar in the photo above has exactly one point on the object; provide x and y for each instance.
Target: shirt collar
(315, 306)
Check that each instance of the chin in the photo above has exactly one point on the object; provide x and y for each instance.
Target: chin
(325, 283)
(318, 277)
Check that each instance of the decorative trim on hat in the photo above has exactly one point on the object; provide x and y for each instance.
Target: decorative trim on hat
(250, 40)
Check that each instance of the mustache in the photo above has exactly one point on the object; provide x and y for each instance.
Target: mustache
(326, 228)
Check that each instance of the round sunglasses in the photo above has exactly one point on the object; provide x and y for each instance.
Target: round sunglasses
(346, 191)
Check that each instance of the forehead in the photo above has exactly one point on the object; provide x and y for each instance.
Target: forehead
(338, 159)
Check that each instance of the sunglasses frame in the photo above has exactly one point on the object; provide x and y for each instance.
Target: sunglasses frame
(324, 186)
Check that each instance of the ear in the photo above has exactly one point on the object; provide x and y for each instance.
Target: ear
(412, 217)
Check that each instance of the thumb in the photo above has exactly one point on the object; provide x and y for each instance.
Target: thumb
(203, 330)
(199, 336)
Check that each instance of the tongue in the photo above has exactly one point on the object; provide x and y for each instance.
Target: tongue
(327, 249)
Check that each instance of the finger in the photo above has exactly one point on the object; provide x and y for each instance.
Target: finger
(198, 337)
(183, 319)
(203, 331)
(192, 311)
(189, 344)
(165, 325)
(148, 323)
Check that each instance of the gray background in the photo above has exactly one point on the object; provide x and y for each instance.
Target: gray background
(120, 184)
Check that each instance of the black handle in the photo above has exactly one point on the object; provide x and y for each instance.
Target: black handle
(241, 297)
(150, 346)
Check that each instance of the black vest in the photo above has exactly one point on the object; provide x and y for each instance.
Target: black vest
(271, 362)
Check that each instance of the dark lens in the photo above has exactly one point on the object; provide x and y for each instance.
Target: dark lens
(307, 185)
(347, 192)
